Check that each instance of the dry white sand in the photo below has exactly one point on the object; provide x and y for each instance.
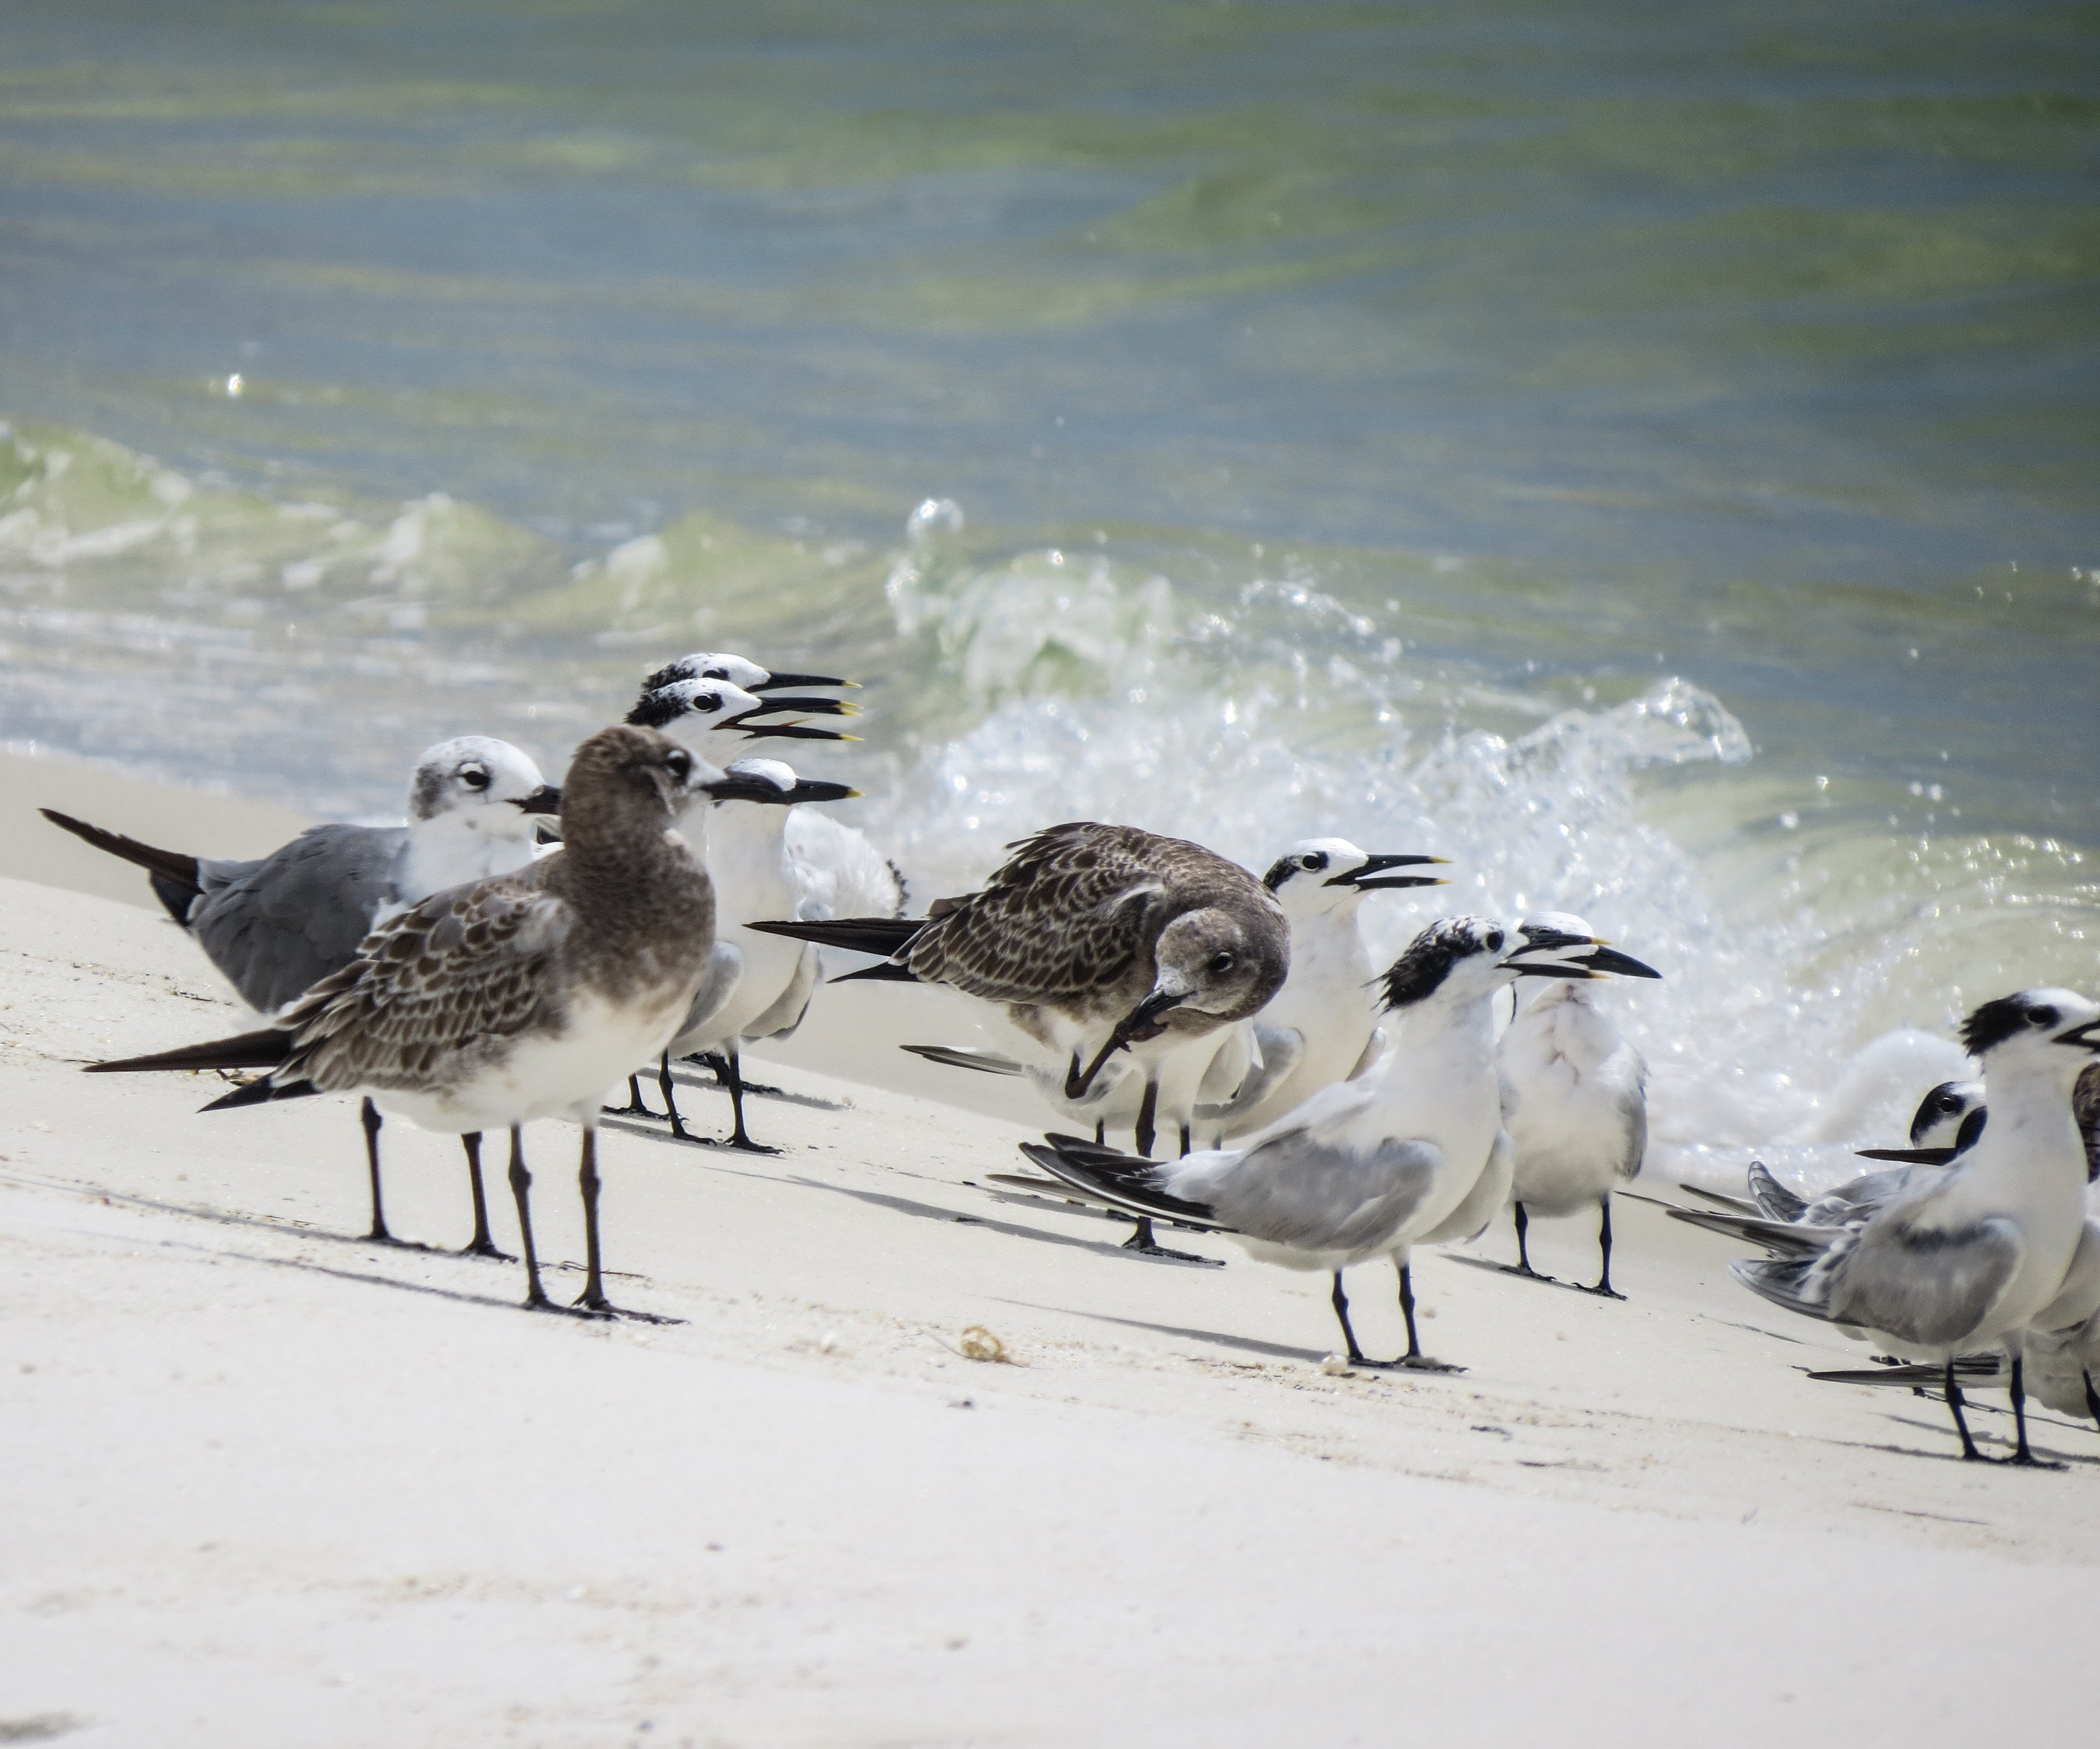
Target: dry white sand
(268, 1485)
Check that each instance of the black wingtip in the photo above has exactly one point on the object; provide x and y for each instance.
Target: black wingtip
(263, 1049)
(260, 1091)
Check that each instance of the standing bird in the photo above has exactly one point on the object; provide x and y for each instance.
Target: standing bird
(1098, 940)
(275, 927)
(1364, 1168)
(1574, 1093)
(521, 996)
(1957, 1261)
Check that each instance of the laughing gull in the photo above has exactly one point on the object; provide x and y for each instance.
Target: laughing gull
(717, 719)
(1364, 1168)
(1097, 940)
(1574, 1093)
(275, 927)
(521, 996)
(1958, 1260)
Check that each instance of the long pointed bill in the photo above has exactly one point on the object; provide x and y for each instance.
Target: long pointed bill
(546, 799)
(789, 731)
(773, 682)
(816, 707)
(1611, 960)
(1360, 878)
(736, 786)
(2082, 1038)
(1136, 1023)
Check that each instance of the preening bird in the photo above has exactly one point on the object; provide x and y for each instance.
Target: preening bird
(1364, 1168)
(1097, 940)
(521, 996)
(274, 927)
(1574, 1093)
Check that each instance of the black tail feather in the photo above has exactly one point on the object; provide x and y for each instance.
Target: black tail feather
(174, 875)
(261, 1092)
(1128, 1179)
(250, 1050)
(884, 936)
(882, 972)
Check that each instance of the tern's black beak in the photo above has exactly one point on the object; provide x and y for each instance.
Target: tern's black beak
(1605, 959)
(739, 786)
(815, 706)
(2082, 1038)
(784, 731)
(546, 799)
(1360, 878)
(774, 682)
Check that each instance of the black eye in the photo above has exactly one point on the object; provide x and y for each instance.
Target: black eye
(1317, 859)
(708, 701)
(1221, 962)
(716, 673)
(679, 765)
(474, 777)
(1494, 941)
(2043, 1017)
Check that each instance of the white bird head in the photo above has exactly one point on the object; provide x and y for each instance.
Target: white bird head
(2031, 1030)
(482, 785)
(1316, 876)
(1459, 960)
(739, 670)
(1942, 1112)
(1562, 937)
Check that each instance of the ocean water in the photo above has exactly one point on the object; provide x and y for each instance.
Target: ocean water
(1646, 454)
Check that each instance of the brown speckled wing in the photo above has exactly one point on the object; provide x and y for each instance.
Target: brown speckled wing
(440, 985)
(1069, 912)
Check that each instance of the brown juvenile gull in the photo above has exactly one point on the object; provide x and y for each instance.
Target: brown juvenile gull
(523, 997)
(1098, 939)
(277, 926)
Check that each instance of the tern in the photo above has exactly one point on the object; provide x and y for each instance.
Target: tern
(1364, 1169)
(1098, 940)
(1574, 1093)
(518, 997)
(1956, 1261)
(277, 926)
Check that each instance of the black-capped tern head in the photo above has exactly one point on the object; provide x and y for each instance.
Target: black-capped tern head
(739, 670)
(1463, 958)
(774, 781)
(1318, 874)
(1562, 937)
(2028, 1028)
(1940, 1114)
(712, 717)
(484, 785)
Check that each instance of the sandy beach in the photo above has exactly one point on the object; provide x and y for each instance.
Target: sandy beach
(270, 1485)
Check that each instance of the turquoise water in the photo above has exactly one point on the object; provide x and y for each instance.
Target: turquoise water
(1444, 425)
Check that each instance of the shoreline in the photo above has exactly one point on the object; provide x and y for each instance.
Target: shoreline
(357, 1490)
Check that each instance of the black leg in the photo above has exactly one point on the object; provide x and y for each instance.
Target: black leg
(1605, 1248)
(636, 1105)
(1101, 1132)
(2022, 1453)
(372, 1121)
(1522, 1267)
(670, 1102)
(1968, 1450)
(481, 1245)
(1341, 1304)
(593, 1298)
(738, 1136)
(1187, 1148)
(521, 1192)
(1148, 1115)
(2091, 1398)
(1414, 1359)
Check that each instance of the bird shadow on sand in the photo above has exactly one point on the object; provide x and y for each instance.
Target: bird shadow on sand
(949, 1217)
(1216, 1338)
(1494, 1268)
(704, 1080)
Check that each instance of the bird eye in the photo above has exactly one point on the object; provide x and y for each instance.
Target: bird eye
(680, 765)
(715, 674)
(708, 701)
(1494, 941)
(2043, 1016)
(1221, 962)
(1317, 859)
(474, 776)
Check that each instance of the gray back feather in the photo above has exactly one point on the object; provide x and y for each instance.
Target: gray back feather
(1295, 1189)
(276, 927)
(1932, 1287)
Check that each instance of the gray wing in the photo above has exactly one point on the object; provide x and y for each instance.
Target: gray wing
(780, 1021)
(1282, 1049)
(1932, 1286)
(276, 928)
(435, 992)
(717, 985)
(1297, 1189)
(1633, 1112)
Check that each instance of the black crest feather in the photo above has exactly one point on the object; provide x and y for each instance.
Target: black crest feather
(1996, 1022)
(1428, 960)
(655, 708)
